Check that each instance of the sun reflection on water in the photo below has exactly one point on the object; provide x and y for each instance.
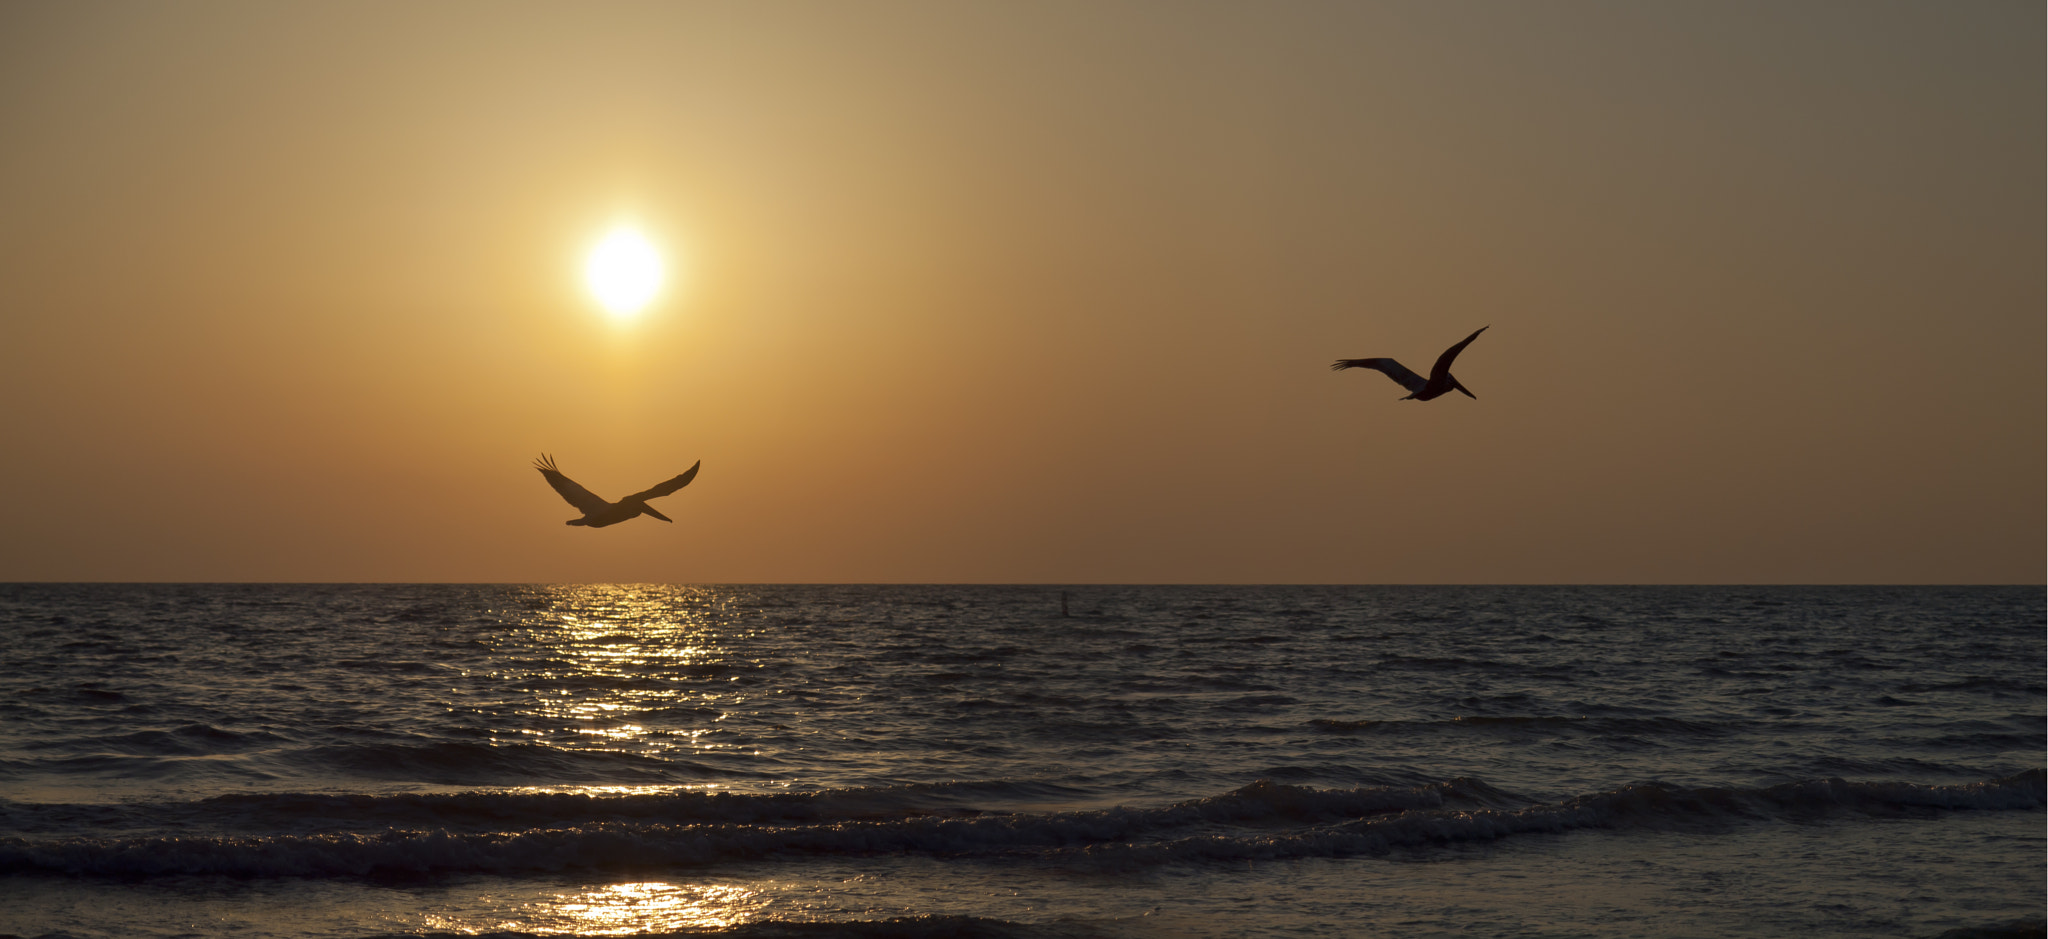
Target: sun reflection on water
(648, 670)
(648, 907)
(623, 909)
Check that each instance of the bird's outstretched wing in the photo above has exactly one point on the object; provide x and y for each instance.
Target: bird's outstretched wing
(670, 486)
(1395, 370)
(583, 499)
(1442, 368)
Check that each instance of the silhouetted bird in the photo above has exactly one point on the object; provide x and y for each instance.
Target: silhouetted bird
(1439, 382)
(598, 513)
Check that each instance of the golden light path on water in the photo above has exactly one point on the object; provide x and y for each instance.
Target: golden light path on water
(622, 909)
(635, 670)
(641, 670)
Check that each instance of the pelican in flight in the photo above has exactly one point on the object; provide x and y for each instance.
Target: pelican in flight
(1439, 381)
(598, 513)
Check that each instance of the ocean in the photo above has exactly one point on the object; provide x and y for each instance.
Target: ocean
(357, 761)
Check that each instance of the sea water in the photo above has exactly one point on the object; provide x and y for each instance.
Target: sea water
(354, 761)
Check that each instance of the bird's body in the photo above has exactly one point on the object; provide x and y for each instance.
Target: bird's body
(1419, 388)
(597, 513)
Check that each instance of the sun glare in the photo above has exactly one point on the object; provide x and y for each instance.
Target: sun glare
(624, 272)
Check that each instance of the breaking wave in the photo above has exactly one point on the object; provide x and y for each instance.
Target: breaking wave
(513, 833)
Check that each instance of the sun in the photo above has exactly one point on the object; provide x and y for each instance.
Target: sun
(624, 272)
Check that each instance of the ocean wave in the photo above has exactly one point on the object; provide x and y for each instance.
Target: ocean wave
(1262, 802)
(463, 763)
(1997, 687)
(904, 927)
(1545, 723)
(1646, 806)
(518, 810)
(190, 740)
(199, 750)
(1260, 821)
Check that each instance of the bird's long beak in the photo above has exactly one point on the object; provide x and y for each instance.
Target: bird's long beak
(1461, 389)
(650, 510)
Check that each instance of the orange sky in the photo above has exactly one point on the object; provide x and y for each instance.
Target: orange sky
(1026, 292)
